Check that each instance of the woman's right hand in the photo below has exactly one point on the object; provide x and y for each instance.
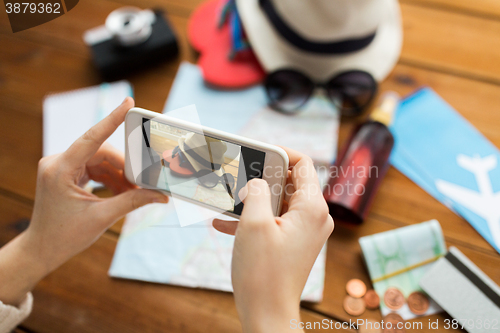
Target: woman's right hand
(273, 256)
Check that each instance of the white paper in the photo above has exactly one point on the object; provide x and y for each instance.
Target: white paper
(68, 115)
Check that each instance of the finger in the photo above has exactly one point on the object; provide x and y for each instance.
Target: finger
(293, 156)
(257, 204)
(305, 178)
(114, 163)
(303, 171)
(226, 227)
(116, 207)
(330, 224)
(109, 176)
(87, 145)
(108, 153)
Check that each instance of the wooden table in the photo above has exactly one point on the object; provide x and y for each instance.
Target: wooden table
(451, 45)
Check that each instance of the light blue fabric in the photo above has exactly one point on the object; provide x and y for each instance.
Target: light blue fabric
(431, 140)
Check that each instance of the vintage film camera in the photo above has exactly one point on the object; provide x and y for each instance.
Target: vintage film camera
(131, 39)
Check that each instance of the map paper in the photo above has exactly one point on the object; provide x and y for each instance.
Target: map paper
(153, 247)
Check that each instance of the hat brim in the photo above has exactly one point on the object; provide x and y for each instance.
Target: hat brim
(195, 164)
(275, 53)
(174, 164)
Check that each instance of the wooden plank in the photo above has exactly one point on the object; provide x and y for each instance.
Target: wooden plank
(319, 323)
(399, 202)
(451, 42)
(35, 70)
(175, 7)
(68, 29)
(433, 38)
(19, 330)
(14, 218)
(485, 8)
(20, 150)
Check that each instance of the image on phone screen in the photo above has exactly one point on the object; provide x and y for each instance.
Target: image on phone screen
(197, 166)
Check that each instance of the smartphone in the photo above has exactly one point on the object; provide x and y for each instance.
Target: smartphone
(201, 165)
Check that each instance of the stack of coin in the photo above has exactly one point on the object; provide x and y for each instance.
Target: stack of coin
(394, 300)
(359, 299)
(353, 303)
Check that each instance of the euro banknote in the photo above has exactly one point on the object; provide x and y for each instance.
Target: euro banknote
(400, 257)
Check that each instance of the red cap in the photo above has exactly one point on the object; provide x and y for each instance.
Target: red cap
(214, 45)
(174, 164)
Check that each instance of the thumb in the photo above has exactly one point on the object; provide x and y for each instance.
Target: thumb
(257, 203)
(116, 207)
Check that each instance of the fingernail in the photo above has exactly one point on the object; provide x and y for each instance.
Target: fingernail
(126, 99)
(162, 199)
(243, 193)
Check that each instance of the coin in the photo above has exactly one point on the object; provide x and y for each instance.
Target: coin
(372, 300)
(356, 288)
(391, 323)
(393, 317)
(354, 306)
(370, 326)
(418, 303)
(394, 298)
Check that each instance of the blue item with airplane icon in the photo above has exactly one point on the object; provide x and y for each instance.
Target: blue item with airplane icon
(445, 155)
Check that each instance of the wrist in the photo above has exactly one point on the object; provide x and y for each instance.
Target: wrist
(20, 269)
(267, 318)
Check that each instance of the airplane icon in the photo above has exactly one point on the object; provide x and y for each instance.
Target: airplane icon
(484, 203)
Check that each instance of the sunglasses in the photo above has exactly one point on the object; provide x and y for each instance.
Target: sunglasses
(206, 177)
(209, 179)
(351, 91)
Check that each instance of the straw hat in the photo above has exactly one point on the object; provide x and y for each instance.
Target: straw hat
(324, 37)
(201, 153)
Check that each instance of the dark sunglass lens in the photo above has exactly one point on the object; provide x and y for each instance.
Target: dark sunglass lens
(352, 91)
(288, 90)
(209, 179)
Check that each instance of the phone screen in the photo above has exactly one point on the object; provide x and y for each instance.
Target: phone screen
(197, 166)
